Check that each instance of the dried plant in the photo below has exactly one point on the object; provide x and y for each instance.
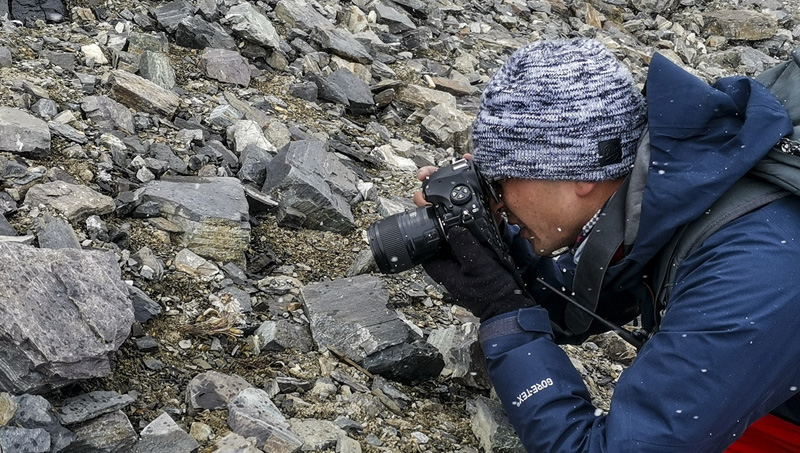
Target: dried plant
(223, 319)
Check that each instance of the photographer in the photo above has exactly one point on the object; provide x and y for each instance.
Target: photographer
(589, 170)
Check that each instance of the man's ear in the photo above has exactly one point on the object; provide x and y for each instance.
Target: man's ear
(584, 188)
(601, 190)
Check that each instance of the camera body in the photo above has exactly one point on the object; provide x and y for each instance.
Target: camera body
(459, 196)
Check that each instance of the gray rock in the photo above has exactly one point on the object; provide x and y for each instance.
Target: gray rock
(329, 91)
(317, 435)
(195, 265)
(147, 344)
(126, 61)
(251, 112)
(76, 293)
(358, 93)
(345, 378)
(246, 133)
(75, 202)
(108, 433)
(227, 66)
(411, 363)
(363, 264)
(211, 212)
(23, 133)
(447, 126)
(350, 315)
(300, 14)
(144, 308)
(342, 43)
(289, 384)
(741, 24)
(314, 185)
(91, 405)
(6, 59)
(463, 356)
(491, 426)
(97, 228)
(163, 435)
(108, 113)
(218, 152)
(251, 24)
(258, 200)
(148, 263)
(156, 67)
(55, 233)
(394, 205)
(139, 93)
(224, 116)
(305, 90)
(65, 60)
(253, 164)
(23, 440)
(235, 273)
(170, 14)
(86, 82)
(209, 9)
(138, 43)
(163, 154)
(418, 7)
(45, 108)
(253, 414)
(420, 97)
(241, 296)
(196, 33)
(6, 229)
(746, 60)
(213, 390)
(29, 12)
(282, 334)
(33, 412)
(67, 132)
(397, 20)
(234, 443)
(456, 87)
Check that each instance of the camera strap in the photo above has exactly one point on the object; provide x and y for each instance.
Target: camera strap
(600, 246)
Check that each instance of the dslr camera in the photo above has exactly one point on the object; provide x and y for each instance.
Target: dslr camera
(459, 196)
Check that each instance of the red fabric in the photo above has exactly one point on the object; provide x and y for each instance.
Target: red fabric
(769, 434)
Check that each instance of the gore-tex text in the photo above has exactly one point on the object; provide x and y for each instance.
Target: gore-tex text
(532, 390)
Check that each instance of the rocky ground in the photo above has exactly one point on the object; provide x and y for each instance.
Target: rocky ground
(132, 100)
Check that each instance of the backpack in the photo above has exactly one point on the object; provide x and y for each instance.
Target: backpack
(774, 177)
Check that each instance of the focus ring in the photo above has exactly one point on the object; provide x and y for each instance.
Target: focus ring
(396, 252)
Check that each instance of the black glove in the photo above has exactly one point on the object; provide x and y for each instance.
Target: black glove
(475, 277)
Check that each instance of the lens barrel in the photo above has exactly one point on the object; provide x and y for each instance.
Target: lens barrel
(401, 241)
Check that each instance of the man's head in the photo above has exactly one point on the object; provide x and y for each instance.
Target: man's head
(559, 110)
(565, 112)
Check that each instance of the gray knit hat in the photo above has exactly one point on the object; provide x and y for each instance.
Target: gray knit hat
(559, 110)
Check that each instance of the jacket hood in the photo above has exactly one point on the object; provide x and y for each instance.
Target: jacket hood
(703, 138)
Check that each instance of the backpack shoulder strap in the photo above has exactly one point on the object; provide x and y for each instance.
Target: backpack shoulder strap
(746, 195)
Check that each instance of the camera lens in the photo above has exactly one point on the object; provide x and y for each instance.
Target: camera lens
(401, 241)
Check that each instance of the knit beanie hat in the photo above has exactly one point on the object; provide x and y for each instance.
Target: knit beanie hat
(559, 110)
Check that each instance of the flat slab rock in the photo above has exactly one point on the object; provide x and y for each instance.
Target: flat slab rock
(211, 212)
(351, 315)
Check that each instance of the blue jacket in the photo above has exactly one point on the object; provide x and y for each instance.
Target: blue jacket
(728, 348)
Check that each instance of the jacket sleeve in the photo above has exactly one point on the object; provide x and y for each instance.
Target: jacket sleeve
(726, 354)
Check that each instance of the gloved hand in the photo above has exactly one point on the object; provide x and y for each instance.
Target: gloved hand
(475, 277)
